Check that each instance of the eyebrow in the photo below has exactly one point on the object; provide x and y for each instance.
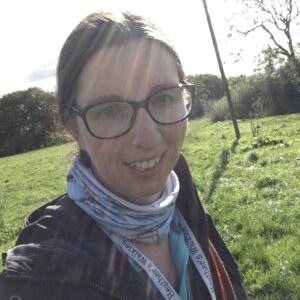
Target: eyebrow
(155, 89)
(160, 87)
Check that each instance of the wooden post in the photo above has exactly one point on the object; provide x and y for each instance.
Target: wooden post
(224, 79)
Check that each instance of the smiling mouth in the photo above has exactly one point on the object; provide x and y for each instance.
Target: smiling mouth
(146, 164)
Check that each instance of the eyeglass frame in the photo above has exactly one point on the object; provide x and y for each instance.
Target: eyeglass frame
(136, 105)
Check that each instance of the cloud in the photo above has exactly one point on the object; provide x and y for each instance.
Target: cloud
(42, 72)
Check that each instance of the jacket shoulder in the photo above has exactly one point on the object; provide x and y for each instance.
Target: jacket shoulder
(57, 234)
(56, 219)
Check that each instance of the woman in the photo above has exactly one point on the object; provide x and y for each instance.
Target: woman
(131, 225)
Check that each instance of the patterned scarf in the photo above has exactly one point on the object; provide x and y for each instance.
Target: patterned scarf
(144, 223)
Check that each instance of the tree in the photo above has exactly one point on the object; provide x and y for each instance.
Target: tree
(27, 119)
(282, 82)
(279, 62)
(279, 20)
(264, 94)
(208, 86)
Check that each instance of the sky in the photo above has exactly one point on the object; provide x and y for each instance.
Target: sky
(32, 33)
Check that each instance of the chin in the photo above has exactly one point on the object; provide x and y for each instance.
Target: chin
(145, 198)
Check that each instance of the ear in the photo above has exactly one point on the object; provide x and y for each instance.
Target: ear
(72, 129)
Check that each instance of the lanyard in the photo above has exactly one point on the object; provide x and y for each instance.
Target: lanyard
(148, 266)
(162, 284)
(197, 255)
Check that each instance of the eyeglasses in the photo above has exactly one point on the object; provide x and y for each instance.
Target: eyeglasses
(113, 118)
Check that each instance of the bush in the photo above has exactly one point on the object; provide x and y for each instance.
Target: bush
(197, 109)
(58, 137)
(27, 118)
(218, 110)
(266, 94)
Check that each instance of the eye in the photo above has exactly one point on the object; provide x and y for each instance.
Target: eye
(163, 100)
(108, 111)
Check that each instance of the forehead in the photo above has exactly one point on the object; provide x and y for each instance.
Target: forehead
(129, 71)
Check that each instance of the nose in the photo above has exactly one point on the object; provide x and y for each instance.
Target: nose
(145, 132)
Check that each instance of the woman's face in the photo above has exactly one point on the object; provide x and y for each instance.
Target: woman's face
(136, 165)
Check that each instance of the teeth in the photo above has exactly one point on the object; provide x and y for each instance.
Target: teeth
(144, 165)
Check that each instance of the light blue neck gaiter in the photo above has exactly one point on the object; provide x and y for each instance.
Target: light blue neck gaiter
(144, 223)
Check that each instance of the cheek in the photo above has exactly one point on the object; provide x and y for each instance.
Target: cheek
(98, 150)
(102, 151)
(176, 133)
(105, 159)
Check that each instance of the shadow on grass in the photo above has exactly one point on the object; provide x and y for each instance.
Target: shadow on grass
(220, 168)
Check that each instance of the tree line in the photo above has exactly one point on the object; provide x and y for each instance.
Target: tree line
(275, 86)
(275, 91)
(28, 121)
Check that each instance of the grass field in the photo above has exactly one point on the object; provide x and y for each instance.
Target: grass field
(251, 188)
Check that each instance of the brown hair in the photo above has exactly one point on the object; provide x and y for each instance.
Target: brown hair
(96, 31)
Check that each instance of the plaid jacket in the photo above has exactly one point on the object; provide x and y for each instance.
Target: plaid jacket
(63, 254)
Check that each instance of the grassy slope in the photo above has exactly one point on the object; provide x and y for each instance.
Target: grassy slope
(251, 188)
(26, 181)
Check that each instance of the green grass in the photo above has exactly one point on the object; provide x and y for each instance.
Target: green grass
(27, 181)
(251, 188)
